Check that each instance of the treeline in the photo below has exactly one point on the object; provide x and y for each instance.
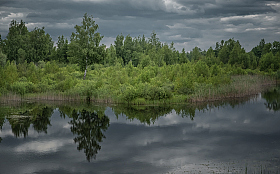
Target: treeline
(22, 45)
(135, 70)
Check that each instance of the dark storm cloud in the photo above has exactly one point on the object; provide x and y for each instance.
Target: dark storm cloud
(188, 23)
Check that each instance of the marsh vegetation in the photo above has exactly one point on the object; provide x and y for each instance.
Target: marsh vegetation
(136, 70)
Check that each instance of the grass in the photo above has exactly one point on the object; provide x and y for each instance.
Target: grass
(240, 86)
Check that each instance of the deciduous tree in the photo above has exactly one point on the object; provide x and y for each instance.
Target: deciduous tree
(85, 44)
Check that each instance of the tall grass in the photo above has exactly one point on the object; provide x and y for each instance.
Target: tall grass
(240, 86)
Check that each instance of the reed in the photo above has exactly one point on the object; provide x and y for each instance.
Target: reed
(240, 86)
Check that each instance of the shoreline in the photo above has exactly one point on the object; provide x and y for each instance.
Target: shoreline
(195, 98)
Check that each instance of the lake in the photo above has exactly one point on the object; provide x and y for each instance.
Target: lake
(238, 136)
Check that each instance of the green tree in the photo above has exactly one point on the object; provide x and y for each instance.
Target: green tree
(275, 47)
(167, 54)
(210, 57)
(234, 56)
(267, 48)
(259, 49)
(3, 59)
(154, 41)
(10, 74)
(85, 44)
(119, 45)
(201, 69)
(1, 43)
(111, 56)
(128, 49)
(224, 54)
(183, 57)
(62, 49)
(16, 39)
(196, 55)
(253, 60)
(269, 61)
(21, 56)
(41, 45)
(143, 43)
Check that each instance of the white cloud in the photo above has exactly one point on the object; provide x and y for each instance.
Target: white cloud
(275, 6)
(12, 16)
(231, 18)
(255, 29)
(177, 26)
(42, 147)
(32, 25)
(172, 6)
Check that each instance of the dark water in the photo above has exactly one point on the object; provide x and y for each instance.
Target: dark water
(232, 137)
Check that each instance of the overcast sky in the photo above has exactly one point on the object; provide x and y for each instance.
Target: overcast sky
(188, 23)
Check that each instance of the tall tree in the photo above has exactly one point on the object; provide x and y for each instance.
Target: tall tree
(275, 47)
(196, 54)
(15, 39)
(119, 45)
(128, 49)
(259, 49)
(85, 44)
(62, 49)
(40, 45)
(154, 41)
(183, 57)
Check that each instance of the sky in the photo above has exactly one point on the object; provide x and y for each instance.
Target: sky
(188, 23)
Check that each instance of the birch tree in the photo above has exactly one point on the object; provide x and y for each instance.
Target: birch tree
(85, 47)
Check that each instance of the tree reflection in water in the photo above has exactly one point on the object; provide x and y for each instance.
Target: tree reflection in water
(20, 125)
(89, 128)
(2, 120)
(272, 98)
(21, 119)
(41, 121)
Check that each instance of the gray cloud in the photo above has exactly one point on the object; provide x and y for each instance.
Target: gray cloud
(188, 23)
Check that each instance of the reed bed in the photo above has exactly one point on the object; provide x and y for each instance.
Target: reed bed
(52, 96)
(240, 86)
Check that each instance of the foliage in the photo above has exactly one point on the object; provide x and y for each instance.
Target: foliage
(85, 46)
(133, 70)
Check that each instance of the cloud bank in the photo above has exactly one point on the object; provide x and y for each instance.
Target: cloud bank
(188, 23)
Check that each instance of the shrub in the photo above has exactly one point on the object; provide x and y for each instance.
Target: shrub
(85, 88)
(128, 93)
(139, 101)
(22, 88)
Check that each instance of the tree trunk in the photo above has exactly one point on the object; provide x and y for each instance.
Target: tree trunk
(85, 70)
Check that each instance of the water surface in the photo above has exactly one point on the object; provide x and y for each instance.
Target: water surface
(232, 137)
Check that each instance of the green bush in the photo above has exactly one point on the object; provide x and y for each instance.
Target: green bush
(85, 88)
(22, 88)
(139, 101)
(278, 74)
(51, 68)
(128, 93)
(19, 88)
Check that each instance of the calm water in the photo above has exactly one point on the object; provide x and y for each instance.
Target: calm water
(233, 137)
